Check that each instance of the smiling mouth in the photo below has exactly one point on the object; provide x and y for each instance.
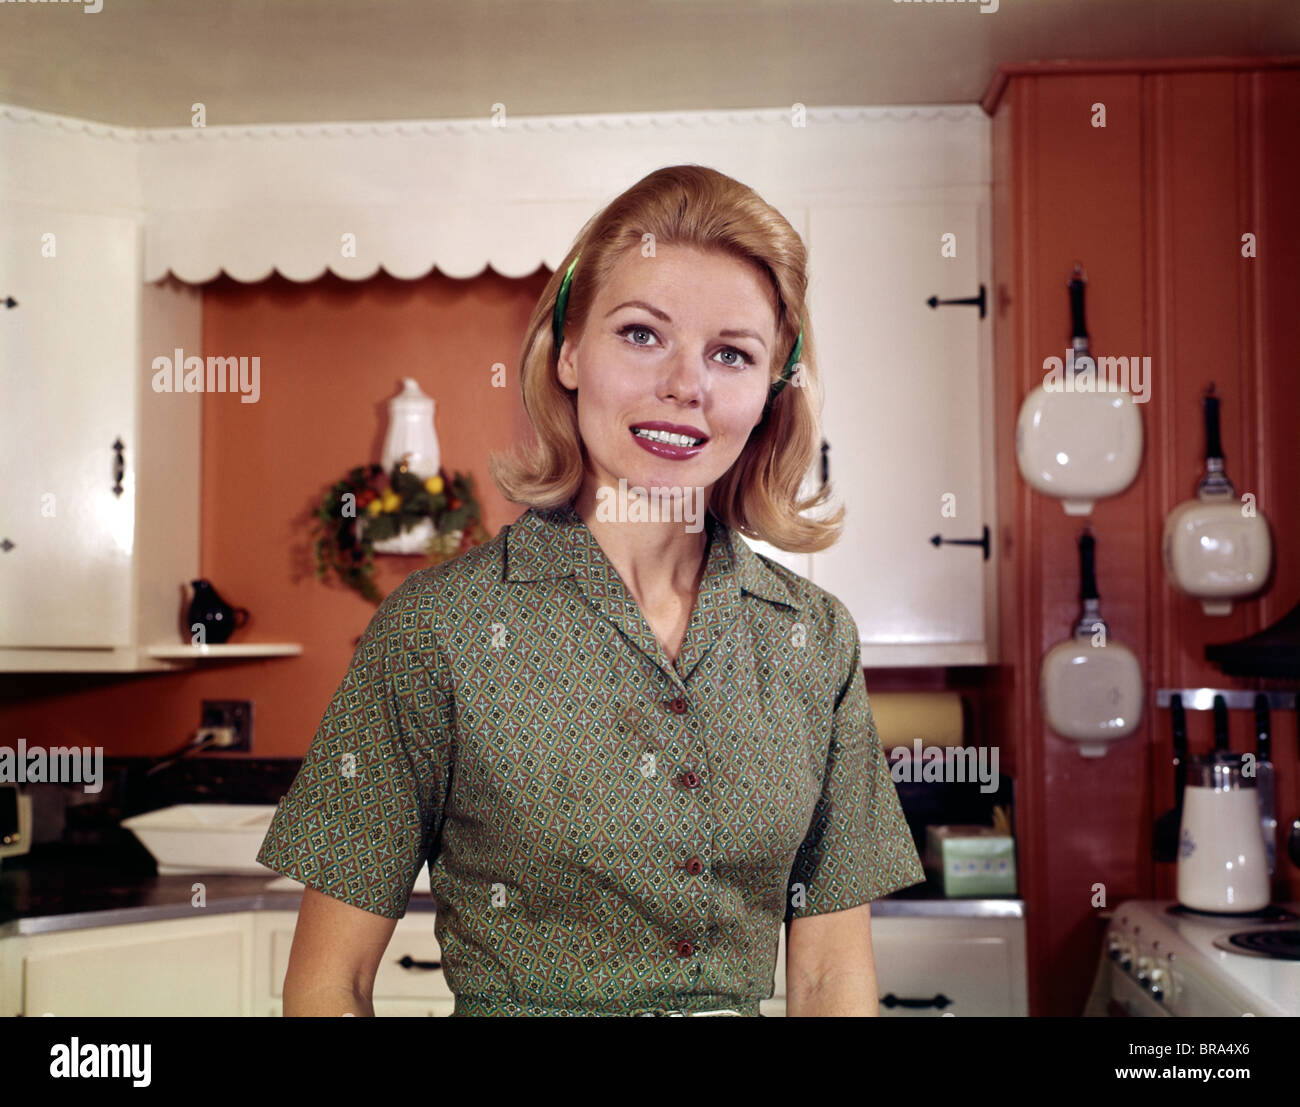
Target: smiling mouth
(668, 438)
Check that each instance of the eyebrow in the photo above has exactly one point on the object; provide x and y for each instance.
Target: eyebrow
(664, 316)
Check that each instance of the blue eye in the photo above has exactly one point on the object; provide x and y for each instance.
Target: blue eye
(726, 349)
(636, 327)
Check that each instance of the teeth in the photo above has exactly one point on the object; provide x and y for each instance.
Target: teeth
(666, 436)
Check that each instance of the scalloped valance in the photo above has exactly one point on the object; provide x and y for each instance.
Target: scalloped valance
(459, 195)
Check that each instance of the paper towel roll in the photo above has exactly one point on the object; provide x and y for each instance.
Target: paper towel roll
(902, 717)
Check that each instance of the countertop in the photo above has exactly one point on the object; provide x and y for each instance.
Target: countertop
(59, 887)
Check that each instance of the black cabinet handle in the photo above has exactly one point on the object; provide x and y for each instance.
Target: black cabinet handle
(826, 462)
(119, 467)
(979, 301)
(939, 540)
(409, 962)
(940, 1001)
(9, 302)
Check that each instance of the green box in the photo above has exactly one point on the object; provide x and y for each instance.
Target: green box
(971, 860)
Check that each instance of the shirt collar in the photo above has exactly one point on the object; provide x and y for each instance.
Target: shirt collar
(548, 543)
(541, 545)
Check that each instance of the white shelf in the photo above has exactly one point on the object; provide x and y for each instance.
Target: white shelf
(249, 649)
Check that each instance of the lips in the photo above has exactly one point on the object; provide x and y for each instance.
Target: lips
(672, 428)
(676, 448)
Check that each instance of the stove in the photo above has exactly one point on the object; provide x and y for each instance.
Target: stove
(1159, 958)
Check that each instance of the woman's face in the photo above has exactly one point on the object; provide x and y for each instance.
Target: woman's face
(693, 353)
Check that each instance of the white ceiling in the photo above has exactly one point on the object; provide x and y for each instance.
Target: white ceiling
(144, 62)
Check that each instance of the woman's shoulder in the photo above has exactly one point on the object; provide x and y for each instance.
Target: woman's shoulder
(463, 579)
(812, 601)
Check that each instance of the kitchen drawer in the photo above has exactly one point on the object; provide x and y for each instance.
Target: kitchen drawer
(976, 965)
(413, 938)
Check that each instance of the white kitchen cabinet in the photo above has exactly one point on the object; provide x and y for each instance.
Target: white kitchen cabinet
(963, 966)
(99, 532)
(234, 964)
(177, 967)
(67, 357)
(908, 418)
(976, 963)
(405, 984)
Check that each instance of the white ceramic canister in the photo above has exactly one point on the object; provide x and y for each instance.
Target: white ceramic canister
(1221, 860)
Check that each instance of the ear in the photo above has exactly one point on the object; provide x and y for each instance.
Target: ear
(566, 370)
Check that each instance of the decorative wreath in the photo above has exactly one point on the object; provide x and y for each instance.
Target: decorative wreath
(365, 508)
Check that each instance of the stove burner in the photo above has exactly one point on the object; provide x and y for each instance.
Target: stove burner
(1268, 914)
(1282, 944)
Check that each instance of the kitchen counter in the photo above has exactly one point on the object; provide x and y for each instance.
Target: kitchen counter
(57, 888)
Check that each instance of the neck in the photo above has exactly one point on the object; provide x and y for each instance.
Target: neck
(657, 552)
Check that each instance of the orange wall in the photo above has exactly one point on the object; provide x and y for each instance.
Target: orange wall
(332, 353)
(1154, 206)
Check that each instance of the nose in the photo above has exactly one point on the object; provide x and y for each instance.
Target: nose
(685, 376)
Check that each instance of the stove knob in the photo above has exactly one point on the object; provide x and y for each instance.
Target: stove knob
(1113, 947)
(1156, 985)
(1144, 967)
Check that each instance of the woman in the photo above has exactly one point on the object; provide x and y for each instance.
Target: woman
(628, 746)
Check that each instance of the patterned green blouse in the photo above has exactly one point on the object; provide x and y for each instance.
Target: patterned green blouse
(607, 832)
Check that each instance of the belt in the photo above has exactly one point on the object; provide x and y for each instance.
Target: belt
(650, 1012)
(726, 1006)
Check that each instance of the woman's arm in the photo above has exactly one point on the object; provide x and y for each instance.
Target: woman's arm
(829, 965)
(335, 956)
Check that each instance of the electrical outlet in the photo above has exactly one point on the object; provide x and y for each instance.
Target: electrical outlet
(236, 714)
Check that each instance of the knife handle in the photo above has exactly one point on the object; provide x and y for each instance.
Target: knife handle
(1220, 723)
(1180, 751)
(1263, 741)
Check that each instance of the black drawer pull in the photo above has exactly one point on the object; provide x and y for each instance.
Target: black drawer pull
(409, 962)
(939, 540)
(941, 1001)
(119, 467)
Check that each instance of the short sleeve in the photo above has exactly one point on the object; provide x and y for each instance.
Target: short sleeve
(858, 846)
(366, 807)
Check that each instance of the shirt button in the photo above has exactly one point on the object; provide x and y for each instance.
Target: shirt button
(677, 706)
(684, 948)
(695, 866)
(690, 779)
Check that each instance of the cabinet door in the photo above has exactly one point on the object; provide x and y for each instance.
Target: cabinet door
(957, 966)
(194, 967)
(903, 416)
(68, 377)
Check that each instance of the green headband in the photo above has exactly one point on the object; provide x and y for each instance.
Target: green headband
(562, 303)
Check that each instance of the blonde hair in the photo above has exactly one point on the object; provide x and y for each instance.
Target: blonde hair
(687, 205)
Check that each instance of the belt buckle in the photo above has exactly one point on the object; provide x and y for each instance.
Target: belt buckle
(679, 1012)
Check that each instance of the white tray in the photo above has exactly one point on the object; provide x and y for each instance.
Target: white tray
(205, 837)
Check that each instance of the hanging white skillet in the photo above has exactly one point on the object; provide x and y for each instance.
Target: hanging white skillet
(1091, 685)
(1217, 548)
(1079, 434)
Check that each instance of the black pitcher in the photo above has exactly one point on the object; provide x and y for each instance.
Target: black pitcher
(216, 616)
